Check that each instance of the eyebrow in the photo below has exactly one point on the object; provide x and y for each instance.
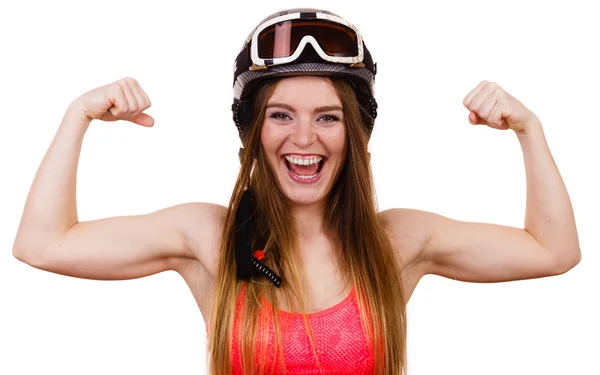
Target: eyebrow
(317, 110)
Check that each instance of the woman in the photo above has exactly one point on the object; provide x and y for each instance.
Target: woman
(302, 206)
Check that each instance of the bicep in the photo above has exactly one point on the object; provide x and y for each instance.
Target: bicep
(125, 247)
(484, 252)
(470, 251)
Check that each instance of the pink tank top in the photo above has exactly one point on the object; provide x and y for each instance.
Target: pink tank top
(340, 342)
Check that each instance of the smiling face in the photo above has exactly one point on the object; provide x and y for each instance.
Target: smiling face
(304, 137)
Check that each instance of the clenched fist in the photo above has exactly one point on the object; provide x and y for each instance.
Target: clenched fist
(490, 105)
(121, 100)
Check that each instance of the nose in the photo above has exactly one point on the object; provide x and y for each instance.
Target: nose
(303, 135)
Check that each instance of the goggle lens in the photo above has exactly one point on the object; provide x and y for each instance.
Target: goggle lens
(282, 39)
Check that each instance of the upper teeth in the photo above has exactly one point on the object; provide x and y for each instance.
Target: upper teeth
(309, 161)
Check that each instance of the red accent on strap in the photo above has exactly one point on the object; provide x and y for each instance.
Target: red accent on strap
(259, 254)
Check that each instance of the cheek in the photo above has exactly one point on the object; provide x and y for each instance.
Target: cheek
(336, 141)
(272, 138)
(267, 136)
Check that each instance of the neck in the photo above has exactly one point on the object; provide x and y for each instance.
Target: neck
(309, 218)
(314, 238)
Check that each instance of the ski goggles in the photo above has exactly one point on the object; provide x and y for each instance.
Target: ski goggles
(282, 39)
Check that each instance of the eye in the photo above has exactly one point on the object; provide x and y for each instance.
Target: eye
(329, 118)
(279, 116)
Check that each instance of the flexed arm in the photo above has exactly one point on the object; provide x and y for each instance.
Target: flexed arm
(480, 252)
(51, 237)
(50, 209)
(549, 217)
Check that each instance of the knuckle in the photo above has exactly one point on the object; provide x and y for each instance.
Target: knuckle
(125, 82)
(499, 91)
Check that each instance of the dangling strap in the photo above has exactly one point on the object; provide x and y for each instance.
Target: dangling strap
(248, 263)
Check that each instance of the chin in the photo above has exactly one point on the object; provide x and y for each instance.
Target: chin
(299, 198)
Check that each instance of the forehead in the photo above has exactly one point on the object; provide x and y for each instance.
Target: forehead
(305, 92)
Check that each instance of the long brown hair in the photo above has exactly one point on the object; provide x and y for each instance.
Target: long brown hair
(365, 255)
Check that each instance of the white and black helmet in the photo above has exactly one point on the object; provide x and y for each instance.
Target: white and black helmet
(303, 42)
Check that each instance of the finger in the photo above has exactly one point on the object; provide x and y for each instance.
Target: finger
(120, 106)
(138, 93)
(488, 103)
(131, 100)
(478, 100)
(474, 119)
(496, 116)
(142, 103)
(141, 97)
(146, 100)
(467, 100)
(143, 119)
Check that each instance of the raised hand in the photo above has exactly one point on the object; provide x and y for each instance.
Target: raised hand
(490, 105)
(121, 100)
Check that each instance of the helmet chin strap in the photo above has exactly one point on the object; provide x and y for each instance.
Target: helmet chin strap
(248, 262)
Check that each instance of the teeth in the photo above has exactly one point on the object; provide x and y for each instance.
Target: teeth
(309, 161)
(306, 177)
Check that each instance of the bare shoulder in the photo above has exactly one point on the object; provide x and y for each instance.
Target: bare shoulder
(202, 226)
(409, 231)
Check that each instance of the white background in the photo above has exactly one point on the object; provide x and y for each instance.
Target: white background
(425, 155)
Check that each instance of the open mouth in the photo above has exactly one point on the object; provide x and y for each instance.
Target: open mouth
(304, 168)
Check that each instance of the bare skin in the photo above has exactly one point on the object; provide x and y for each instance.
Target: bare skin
(186, 237)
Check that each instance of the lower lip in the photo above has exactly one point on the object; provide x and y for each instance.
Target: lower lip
(304, 180)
